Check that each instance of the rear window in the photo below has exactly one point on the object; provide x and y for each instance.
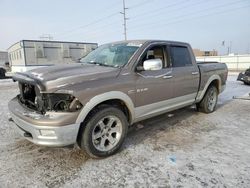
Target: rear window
(180, 56)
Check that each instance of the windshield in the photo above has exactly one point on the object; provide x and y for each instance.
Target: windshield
(115, 55)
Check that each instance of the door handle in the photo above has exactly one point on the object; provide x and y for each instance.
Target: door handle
(167, 76)
(195, 73)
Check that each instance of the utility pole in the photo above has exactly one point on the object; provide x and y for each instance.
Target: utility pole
(248, 48)
(230, 47)
(124, 20)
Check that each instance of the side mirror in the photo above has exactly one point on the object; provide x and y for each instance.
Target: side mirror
(152, 64)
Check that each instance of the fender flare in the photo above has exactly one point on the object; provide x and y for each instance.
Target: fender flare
(93, 102)
(209, 81)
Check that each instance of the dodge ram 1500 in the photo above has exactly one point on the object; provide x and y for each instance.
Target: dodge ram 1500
(93, 102)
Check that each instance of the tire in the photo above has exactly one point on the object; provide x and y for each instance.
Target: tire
(104, 132)
(209, 101)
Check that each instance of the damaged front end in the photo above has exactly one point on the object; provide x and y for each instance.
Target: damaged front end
(32, 98)
(45, 118)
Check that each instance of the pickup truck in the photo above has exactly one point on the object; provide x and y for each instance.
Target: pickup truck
(93, 102)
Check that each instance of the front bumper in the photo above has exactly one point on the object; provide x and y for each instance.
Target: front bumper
(33, 126)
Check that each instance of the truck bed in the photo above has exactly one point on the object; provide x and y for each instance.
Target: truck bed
(208, 69)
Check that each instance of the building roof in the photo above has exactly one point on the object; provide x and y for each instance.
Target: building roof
(51, 41)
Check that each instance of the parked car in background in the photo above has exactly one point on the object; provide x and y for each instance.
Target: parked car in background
(4, 68)
(93, 102)
(245, 77)
(2, 72)
(4, 62)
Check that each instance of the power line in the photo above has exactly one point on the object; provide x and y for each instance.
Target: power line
(197, 17)
(89, 24)
(176, 17)
(98, 35)
(99, 29)
(147, 25)
(159, 10)
(103, 9)
(218, 12)
(100, 20)
(140, 4)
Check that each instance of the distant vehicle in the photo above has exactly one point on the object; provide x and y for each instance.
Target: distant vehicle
(30, 54)
(4, 68)
(2, 72)
(3, 63)
(93, 102)
(245, 77)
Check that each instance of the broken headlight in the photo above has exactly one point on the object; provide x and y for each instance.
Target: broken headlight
(61, 102)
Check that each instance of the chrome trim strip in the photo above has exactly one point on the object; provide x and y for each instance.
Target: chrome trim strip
(150, 110)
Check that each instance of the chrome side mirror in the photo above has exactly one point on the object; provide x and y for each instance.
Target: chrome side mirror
(152, 64)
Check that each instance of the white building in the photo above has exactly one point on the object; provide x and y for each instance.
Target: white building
(233, 62)
(29, 54)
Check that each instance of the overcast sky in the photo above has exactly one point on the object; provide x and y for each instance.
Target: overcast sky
(202, 23)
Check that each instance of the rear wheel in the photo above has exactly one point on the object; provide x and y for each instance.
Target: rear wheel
(209, 101)
(104, 132)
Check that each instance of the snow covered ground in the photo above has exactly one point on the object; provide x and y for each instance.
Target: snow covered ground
(181, 149)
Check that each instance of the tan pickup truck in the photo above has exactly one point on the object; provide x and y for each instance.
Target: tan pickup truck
(93, 102)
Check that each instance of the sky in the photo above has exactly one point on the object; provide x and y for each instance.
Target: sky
(205, 24)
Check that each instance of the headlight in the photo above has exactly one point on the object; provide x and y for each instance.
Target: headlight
(61, 102)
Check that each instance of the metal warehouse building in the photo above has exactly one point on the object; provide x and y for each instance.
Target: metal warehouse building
(29, 54)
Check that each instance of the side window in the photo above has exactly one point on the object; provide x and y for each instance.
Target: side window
(156, 52)
(180, 56)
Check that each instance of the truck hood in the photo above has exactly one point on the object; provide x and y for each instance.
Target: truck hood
(54, 77)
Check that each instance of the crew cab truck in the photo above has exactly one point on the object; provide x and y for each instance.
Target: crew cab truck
(92, 103)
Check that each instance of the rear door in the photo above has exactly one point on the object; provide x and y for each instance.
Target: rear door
(185, 74)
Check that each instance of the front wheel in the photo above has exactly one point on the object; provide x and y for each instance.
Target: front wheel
(209, 101)
(104, 132)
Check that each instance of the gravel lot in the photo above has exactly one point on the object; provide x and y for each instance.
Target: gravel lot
(181, 149)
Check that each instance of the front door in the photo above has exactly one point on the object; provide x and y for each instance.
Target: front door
(153, 87)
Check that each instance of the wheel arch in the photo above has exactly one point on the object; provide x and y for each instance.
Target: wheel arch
(116, 98)
(213, 80)
(216, 83)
